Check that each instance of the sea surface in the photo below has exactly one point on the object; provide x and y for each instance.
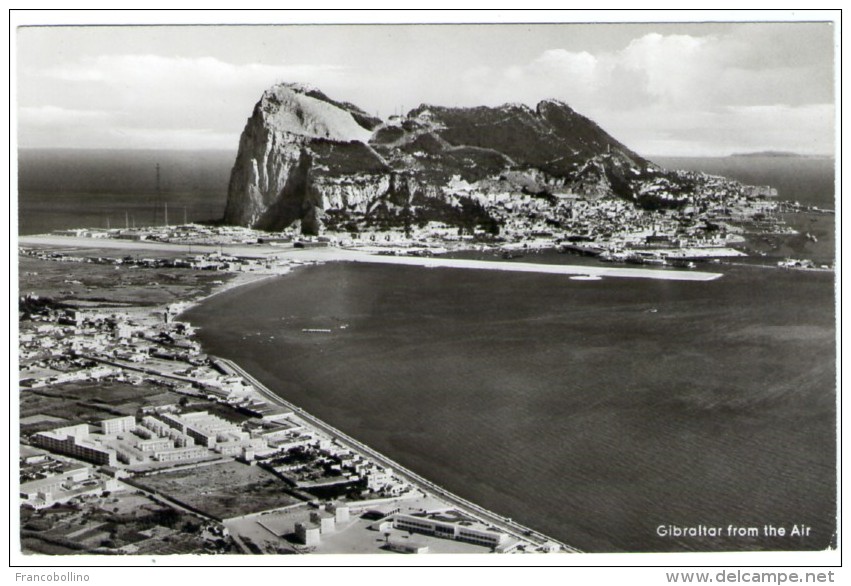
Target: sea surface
(61, 188)
(594, 411)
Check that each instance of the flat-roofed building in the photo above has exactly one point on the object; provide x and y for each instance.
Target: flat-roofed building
(74, 482)
(39, 493)
(118, 425)
(308, 533)
(200, 436)
(155, 425)
(237, 447)
(376, 476)
(30, 455)
(229, 448)
(179, 454)
(465, 531)
(181, 440)
(154, 444)
(214, 432)
(42, 491)
(341, 512)
(144, 432)
(324, 520)
(74, 441)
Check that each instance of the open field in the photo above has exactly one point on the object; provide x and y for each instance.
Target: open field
(108, 284)
(86, 401)
(223, 490)
(94, 245)
(122, 519)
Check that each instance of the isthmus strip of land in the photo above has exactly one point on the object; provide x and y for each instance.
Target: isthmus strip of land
(332, 254)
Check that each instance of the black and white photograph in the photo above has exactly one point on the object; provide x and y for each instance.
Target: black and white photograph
(389, 292)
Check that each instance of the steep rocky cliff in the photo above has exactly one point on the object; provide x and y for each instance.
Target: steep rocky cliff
(271, 184)
(306, 158)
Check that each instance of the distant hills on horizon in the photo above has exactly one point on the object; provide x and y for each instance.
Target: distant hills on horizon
(779, 154)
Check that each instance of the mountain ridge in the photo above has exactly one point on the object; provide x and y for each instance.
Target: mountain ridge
(311, 162)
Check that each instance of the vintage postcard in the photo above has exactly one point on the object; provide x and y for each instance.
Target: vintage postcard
(482, 288)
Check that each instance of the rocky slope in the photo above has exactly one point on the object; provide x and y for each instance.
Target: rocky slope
(305, 159)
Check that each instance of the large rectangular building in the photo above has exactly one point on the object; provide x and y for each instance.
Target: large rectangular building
(73, 441)
(199, 435)
(118, 425)
(179, 454)
(466, 532)
(154, 445)
(73, 482)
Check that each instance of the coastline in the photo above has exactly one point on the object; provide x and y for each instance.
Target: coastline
(424, 485)
(301, 257)
(268, 403)
(509, 526)
(237, 279)
(332, 254)
(325, 371)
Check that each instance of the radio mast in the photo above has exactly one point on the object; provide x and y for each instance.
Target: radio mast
(159, 195)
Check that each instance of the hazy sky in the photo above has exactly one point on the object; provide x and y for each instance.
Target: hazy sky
(662, 89)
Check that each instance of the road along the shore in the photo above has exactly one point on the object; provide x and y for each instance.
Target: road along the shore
(509, 526)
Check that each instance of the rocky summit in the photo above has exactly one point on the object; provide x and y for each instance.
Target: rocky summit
(306, 160)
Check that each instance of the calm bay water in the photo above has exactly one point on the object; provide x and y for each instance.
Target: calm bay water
(571, 406)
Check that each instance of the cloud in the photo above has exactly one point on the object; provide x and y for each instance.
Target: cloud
(151, 95)
(686, 88)
(135, 71)
(698, 91)
(807, 129)
(673, 70)
(55, 115)
(580, 67)
(670, 67)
